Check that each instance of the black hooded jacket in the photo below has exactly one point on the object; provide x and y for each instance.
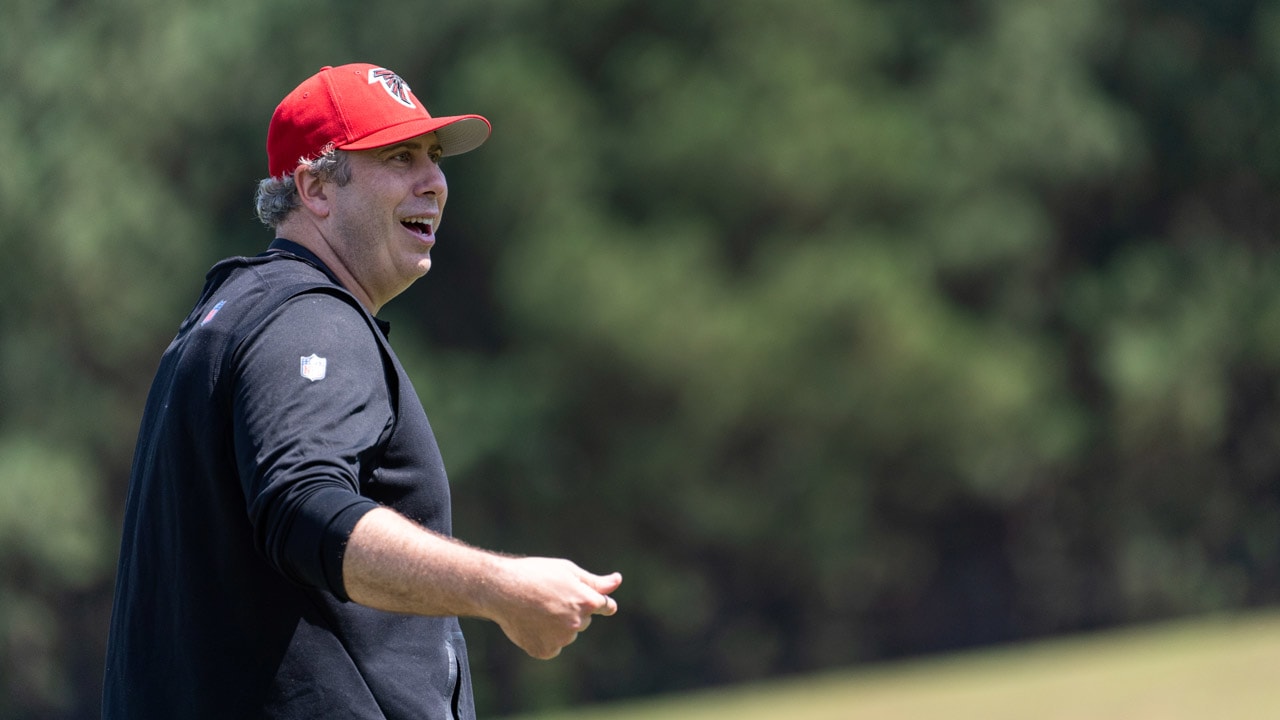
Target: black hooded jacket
(279, 416)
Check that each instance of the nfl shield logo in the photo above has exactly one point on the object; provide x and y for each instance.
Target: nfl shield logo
(313, 367)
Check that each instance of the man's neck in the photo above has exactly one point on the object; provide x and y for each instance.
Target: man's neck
(307, 238)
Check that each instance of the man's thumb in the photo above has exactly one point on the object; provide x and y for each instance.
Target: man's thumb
(605, 584)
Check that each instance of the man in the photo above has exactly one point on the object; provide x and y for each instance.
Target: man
(286, 549)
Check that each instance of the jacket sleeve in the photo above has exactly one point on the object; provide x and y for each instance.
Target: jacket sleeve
(311, 409)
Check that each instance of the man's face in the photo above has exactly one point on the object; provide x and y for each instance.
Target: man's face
(384, 221)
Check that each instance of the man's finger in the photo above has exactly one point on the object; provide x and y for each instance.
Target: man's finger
(608, 606)
(603, 584)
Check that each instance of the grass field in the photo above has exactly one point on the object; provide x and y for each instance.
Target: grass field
(1219, 669)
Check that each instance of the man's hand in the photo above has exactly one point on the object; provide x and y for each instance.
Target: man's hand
(546, 602)
(393, 564)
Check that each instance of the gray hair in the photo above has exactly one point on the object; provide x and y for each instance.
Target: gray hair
(276, 198)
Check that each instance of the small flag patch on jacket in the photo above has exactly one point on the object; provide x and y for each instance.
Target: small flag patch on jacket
(213, 312)
(313, 367)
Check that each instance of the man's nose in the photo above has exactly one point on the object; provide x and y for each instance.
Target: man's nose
(433, 182)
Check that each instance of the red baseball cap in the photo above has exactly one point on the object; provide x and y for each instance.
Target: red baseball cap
(359, 107)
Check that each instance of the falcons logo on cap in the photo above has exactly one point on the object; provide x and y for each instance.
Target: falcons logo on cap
(398, 89)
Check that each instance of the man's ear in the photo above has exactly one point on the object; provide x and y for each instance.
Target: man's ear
(311, 191)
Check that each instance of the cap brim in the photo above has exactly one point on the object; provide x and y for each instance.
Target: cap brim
(464, 134)
(457, 134)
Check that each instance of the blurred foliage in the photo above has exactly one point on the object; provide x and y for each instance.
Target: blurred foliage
(846, 330)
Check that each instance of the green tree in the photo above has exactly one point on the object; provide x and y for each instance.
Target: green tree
(846, 329)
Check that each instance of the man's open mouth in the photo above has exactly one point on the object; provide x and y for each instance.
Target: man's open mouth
(420, 226)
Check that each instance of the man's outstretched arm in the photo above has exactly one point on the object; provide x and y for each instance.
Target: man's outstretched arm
(393, 564)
